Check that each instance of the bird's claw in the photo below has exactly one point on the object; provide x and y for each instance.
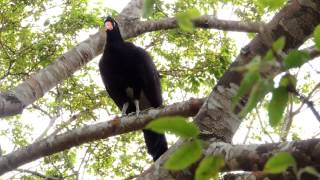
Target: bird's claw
(136, 104)
(124, 109)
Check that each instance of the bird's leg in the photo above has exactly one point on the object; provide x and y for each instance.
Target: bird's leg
(136, 104)
(124, 108)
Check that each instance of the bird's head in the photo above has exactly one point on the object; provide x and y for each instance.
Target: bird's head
(110, 24)
(112, 30)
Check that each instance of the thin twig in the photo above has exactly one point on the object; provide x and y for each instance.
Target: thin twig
(306, 101)
(38, 174)
(248, 132)
(288, 121)
(262, 127)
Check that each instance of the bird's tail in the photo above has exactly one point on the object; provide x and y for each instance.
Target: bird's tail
(156, 143)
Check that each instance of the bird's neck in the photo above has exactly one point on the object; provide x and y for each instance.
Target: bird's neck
(113, 37)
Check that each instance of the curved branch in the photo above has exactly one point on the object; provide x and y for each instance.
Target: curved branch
(207, 21)
(116, 126)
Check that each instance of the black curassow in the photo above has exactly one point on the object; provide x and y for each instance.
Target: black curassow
(132, 81)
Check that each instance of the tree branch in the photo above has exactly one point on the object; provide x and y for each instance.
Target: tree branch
(207, 22)
(133, 10)
(253, 157)
(259, 175)
(313, 51)
(38, 174)
(296, 22)
(116, 126)
(248, 157)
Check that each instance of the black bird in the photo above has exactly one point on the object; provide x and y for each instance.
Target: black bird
(132, 81)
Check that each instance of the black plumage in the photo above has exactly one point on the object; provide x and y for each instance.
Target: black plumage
(132, 81)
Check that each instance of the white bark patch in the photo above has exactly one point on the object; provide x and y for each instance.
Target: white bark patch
(217, 148)
(50, 140)
(285, 146)
(214, 104)
(233, 88)
(133, 10)
(24, 93)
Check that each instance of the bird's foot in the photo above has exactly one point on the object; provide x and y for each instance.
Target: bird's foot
(136, 103)
(124, 108)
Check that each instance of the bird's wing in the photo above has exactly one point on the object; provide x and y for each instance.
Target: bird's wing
(150, 77)
(114, 93)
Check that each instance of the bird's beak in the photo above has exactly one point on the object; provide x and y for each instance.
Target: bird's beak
(108, 26)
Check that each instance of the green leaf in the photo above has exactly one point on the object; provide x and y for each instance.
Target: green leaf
(258, 91)
(193, 13)
(176, 125)
(295, 58)
(246, 84)
(185, 19)
(272, 4)
(209, 167)
(277, 105)
(279, 163)
(288, 81)
(269, 56)
(279, 44)
(184, 156)
(316, 35)
(148, 8)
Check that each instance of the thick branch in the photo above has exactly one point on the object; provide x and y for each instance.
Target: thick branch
(253, 157)
(207, 21)
(90, 133)
(259, 175)
(296, 22)
(38, 84)
(133, 10)
(247, 157)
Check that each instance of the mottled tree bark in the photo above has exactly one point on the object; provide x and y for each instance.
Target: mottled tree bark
(116, 126)
(296, 21)
(217, 122)
(253, 157)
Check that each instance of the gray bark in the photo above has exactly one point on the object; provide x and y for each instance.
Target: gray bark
(116, 126)
(296, 22)
(216, 121)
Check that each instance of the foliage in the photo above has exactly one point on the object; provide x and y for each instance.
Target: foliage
(176, 125)
(148, 8)
(190, 151)
(185, 19)
(279, 163)
(190, 61)
(255, 86)
(187, 154)
(209, 167)
(316, 35)
(295, 59)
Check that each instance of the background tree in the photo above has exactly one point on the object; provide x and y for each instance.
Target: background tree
(38, 50)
